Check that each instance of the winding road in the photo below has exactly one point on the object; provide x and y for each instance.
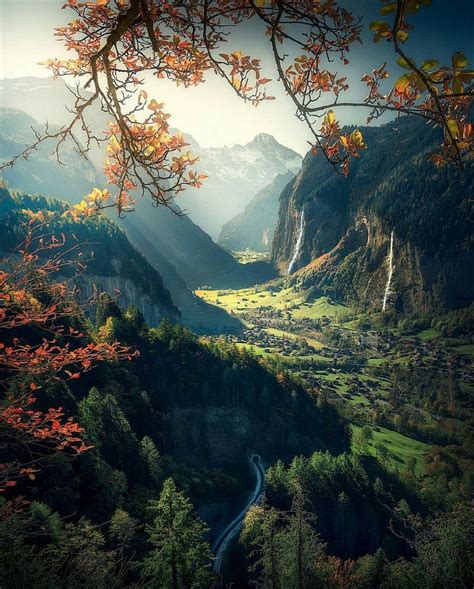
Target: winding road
(222, 542)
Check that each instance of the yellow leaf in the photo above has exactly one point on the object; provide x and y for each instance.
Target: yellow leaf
(402, 83)
(330, 117)
(453, 127)
(460, 60)
(356, 137)
(388, 8)
(402, 36)
(402, 62)
(429, 64)
(379, 25)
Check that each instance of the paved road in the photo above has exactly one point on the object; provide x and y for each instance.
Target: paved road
(222, 542)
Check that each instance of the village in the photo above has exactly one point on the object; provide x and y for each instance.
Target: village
(350, 364)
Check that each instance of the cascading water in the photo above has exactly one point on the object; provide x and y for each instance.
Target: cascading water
(299, 241)
(390, 274)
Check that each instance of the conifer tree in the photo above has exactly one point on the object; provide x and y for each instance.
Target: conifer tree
(301, 547)
(180, 558)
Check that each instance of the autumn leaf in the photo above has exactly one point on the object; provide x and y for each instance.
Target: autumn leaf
(459, 60)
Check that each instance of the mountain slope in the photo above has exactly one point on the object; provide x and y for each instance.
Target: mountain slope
(195, 313)
(235, 174)
(254, 227)
(184, 244)
(41, 172)
(113, 265)
(344, 226)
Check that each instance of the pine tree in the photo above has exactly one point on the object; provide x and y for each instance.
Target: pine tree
(109, 430)
(180, 558)
(301, 547)
(261, 536)
(270, 559)
(106, 307)
(151, 459)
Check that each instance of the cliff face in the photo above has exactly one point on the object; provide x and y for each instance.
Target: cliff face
(346, 248)
(129, 293)
(112, 264)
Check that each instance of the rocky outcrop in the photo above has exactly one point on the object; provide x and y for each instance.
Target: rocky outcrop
(129, 293)
(348, 224)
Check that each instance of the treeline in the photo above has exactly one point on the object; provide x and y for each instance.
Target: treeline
(344, 521)
(286, 550)
(103, 246)
(352, 498)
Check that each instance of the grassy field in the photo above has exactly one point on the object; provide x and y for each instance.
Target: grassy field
(311, 340)
(285, 300)
(257, 350)
(400, 447)
(429, 334)
(322, 307)
(466, 349)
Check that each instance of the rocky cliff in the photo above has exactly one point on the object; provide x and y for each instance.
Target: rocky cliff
(338, 231)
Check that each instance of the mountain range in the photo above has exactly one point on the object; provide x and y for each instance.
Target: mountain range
(395, 234)
(235, 175)
(179, 249)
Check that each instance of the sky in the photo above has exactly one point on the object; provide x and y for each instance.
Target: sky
(212, 113)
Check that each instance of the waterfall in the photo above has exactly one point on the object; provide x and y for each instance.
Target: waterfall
(299, 241)
(390, 274)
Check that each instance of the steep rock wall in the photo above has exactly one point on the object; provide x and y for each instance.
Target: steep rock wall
(349, 221)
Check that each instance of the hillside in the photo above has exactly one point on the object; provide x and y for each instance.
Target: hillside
(41, 172)
(254, 227)
(334, 234)
(195, 313)
(194, 255)
(112, 264)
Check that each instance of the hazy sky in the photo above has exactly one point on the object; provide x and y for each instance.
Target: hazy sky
(212, 113)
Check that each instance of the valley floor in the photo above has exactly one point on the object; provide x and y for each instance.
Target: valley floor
(359, 364)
